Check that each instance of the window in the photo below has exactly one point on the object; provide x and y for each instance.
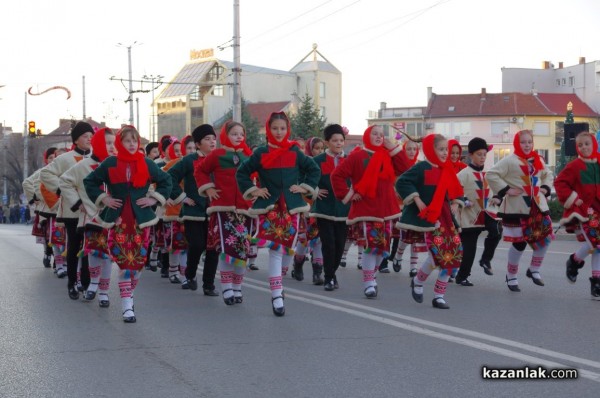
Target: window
(500, 128)
(321, 89)
(541, 128)
(500, 154)
(571, 81)
(414, 129)
(564, 81)
(215, 73)
(218, 90)
(452, 129)
(197, 113)
(544, 154)
(557, 82)
(322, 111)
(195, 95)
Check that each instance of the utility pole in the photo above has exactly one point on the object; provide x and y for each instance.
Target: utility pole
(237, 70)
(152, 78)
(25, 144)
(130, 98)
(137, 109)
(83, 84)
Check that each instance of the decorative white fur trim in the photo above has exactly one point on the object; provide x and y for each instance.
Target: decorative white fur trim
(161, 199)
(458, 202)
(396, 150)
(571, 199)
(312, 193)
(572, 217)
(150, 223)
(327, 217)
(246, 195)
(193, 218)
(400, 225)
(180, 198)
(202, 189)
(365, 218)
(348, 196)
(256, 212)
(98, 201)
(303, 209)
(410, 198)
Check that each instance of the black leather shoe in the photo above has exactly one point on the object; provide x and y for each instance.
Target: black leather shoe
(595, 287)
(487, 267)
(413, 272)
(397, 265)
(253, 267)
(89, 296)
(189, 284)
(297, 272)
(536, 279)
(343, 264)
(512, 288)
(239, 299)
(46, 262)
(73, 293)
(317, 271)
(229, 300)
(278, 311)
(130, 318)
(329, 286)
(439, 302)
(371, 292)
(104, 303)
(464, 282)
(210, 292)
(336, 285)
(416, 296)
(573, 268)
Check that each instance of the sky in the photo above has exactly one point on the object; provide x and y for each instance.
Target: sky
(388, 51)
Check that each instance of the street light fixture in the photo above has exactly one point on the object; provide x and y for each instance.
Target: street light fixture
(152, 78)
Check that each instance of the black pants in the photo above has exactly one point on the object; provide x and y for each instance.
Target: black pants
(333, 240)
(196, 233)
(469, 237)
(74, 245)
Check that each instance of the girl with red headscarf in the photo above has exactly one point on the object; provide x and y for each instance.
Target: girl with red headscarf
(285, 175)
(126, 208)
(426, 190)
(577, 190)
(95, 236)
(374, 205)
(521, 183)
(176, 243)
(230, 224)
(455, 153)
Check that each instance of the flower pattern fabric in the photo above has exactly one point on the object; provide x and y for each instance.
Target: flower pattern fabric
(127, 242)
(230, 234)
(444, 242)
(279, 228)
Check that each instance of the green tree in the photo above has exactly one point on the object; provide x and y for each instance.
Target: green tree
(308, 122)
(253, 126)
(564, 159)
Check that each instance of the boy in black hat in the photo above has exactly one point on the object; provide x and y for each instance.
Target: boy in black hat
(475, 214)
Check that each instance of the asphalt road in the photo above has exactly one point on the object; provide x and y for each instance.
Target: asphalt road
(334, 344)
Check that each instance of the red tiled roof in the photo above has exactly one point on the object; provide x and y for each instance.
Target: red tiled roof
(261, 110)
(64, 127)
(505, 104)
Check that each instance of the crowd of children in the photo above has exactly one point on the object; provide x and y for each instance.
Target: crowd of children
(209, 201)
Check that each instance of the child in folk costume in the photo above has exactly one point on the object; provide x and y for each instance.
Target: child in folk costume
(373, 203)
(34, 198)
(410, 149)
(521, 182)
(330, 213)
(81, 135)
(426, 190)
(126, 208)
(308, 236)
(415, 239)
(188, 146)
(230, 224)
(176, 244)
(285, 175)
(152, 151)
(193, 211)
(577, 189)
(475, 216)
(95, 244)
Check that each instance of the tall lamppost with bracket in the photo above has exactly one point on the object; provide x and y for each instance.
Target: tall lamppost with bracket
(130, 98)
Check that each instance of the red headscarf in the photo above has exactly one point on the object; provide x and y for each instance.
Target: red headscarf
(595, 154)
(312, 141)
(416, 158)
(280, 147)
(99, 144)
(458, 165)
(171, 150)
(47, 153)
(141, 175)
(225, 141)
(448, 183)
(185, 141)
(537, 160)
(379, 167)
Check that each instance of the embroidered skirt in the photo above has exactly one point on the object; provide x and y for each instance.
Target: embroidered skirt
(57, 234)
(127, 242)
(535, 229)
(444, 242)
(278, 229)
(590, 230)
(158, 235)
(230, 233)
(177, 242)
(414, 238)
(96, 243)
(375, 237)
